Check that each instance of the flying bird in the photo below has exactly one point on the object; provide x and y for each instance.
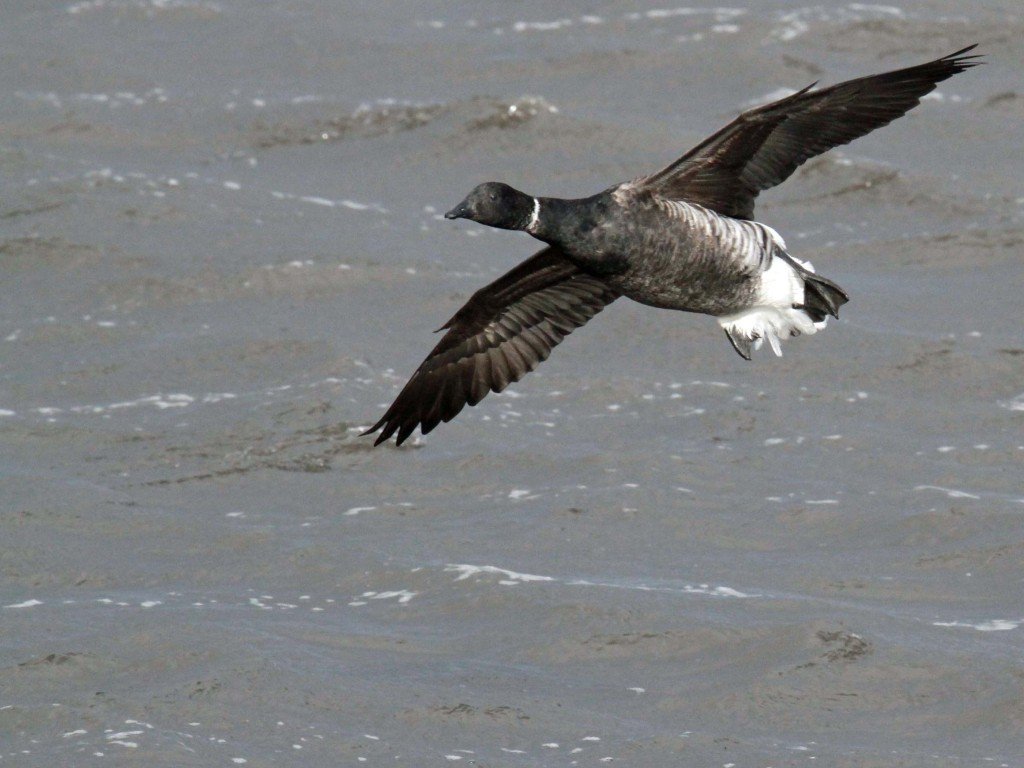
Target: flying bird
(682, 238)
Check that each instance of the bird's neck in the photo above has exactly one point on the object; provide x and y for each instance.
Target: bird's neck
(548, 219)
(583, 230)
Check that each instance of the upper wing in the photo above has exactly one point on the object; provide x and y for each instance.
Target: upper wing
(763, 146)
(502, 333)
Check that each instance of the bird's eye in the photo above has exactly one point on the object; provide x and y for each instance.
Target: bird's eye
(494, 198)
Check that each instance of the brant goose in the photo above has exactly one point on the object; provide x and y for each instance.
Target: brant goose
(682, 238)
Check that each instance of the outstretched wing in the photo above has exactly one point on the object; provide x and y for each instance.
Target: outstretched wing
(764, 145)
(502, 333)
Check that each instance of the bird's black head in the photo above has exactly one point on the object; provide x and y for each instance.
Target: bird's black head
(496, 205)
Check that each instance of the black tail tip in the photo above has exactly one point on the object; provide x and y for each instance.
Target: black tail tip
(822, 297)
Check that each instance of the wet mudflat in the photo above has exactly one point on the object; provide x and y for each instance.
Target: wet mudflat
(221, 256)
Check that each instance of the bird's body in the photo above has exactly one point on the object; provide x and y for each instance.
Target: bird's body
(668, 253)
(673, 254)
(683, 238)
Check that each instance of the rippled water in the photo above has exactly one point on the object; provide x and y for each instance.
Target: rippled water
(223, 254)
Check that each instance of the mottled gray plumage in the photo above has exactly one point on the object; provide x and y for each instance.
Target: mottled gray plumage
(681, 238)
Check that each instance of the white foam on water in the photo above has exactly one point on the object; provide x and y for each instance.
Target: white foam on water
(326, 202)
(150, 7)
(121, 738)
(686, 589)
(26, 604)
(110, 100)
(356, 510)
(160, 402)
(719, 14)
(994, 625)
(885, 10)
(723, 591)
(1016, 404)
(318, 201)
(792, 27)
(403, 595)
(541, 26)
(953, 493)
(721, 17)
(512, 578)
(793, 24)
(149, 183)
(465, 571)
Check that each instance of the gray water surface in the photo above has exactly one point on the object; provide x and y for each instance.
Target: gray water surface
(222, 255)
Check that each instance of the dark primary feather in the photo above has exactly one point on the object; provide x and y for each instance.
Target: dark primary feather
(764, 145)
(502, 333)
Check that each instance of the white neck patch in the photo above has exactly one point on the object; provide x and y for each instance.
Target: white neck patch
(534, 217)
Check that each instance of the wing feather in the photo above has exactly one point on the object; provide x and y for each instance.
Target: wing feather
(765, 145)
(502, 333)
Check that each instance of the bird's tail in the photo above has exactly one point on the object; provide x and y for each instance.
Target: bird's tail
(822, 297)
(749, 329)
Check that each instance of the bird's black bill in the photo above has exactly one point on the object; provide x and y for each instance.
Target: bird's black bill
(458, 212)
